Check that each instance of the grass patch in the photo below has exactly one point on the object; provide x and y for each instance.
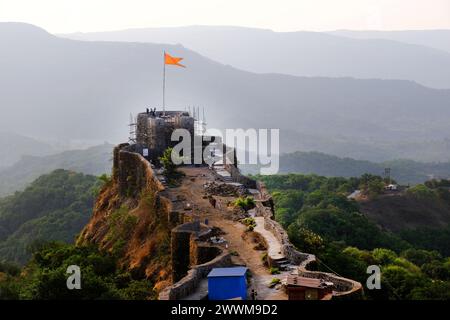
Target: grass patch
(245, 203)
(274, 270)
(274, 282)
(120, 228)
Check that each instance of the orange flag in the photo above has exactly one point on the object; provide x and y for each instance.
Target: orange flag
(168, 59)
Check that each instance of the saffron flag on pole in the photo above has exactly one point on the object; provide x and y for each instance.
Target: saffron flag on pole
(168, 59)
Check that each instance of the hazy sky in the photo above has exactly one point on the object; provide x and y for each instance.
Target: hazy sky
(59, 16)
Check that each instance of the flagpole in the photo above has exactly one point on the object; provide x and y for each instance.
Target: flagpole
(164, 83)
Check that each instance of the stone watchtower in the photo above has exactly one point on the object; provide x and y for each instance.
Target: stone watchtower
(154, 130)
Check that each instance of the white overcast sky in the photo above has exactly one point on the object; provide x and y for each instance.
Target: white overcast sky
(60, 16)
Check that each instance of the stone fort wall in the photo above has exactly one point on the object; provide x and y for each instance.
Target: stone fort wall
(135, 174)
(343, 287)
(189, 283)
(191, 258)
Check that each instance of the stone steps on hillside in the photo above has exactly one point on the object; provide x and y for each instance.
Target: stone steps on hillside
(284, 264)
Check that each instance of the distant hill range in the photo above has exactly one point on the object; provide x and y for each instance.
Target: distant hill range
(403, 171)
(93, 161)
(90, 88)
(437, 39)
(381, 55)
(14, 146)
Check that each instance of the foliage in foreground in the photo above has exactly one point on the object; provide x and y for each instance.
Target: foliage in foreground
(45, 276)
(245, 203)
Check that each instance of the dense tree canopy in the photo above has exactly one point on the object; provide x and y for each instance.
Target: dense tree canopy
(46, 275)
(54, 207)
(321, 219)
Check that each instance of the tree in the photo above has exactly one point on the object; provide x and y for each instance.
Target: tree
(420, 256)
(384, 256)
(167, 163)
(305, 240)
(170, 169)
(245, 203)
(45, 276)
(320, 219)
(421, 191)
(400, 282)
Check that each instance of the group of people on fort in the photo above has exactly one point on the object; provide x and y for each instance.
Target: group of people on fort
(151, 111)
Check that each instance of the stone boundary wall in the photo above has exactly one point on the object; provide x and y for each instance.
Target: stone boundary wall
(238, 177)
(343, 287)
(133, 172)
(287, 248)
(189, 283)
(181, 238)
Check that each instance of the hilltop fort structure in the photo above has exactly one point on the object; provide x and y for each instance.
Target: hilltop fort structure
(154, 130)
(181, 233)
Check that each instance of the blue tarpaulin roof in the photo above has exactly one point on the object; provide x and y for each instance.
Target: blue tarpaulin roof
(227, 272)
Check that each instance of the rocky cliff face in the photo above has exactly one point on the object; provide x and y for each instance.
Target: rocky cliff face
(130, 219)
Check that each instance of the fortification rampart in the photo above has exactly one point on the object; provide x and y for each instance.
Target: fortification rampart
(190, 282)
(135, 194)
(343, 287)
(236, 176)
(191, 259)
(133, 172)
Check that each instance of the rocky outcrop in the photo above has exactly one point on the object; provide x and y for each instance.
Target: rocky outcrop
(131, 219)
(135, 218)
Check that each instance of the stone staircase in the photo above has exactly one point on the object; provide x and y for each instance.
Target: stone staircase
(284, 265)
(223, 174)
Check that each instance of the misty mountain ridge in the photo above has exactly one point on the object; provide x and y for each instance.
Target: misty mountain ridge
(86, 90)
(301, 53)
(14, 146)
(437, 39)
(402, 170)
(93, 161)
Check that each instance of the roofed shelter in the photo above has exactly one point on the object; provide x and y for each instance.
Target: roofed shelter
(227, 283)
(302, 288)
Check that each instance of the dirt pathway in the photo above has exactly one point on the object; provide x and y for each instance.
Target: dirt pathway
(273, 243)
(192, 188)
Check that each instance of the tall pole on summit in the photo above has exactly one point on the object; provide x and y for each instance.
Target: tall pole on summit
(168, 59)
(164, 84)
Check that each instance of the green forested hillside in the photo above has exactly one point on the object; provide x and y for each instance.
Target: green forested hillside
(320, 219)
(54, 207)
(37, 229)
